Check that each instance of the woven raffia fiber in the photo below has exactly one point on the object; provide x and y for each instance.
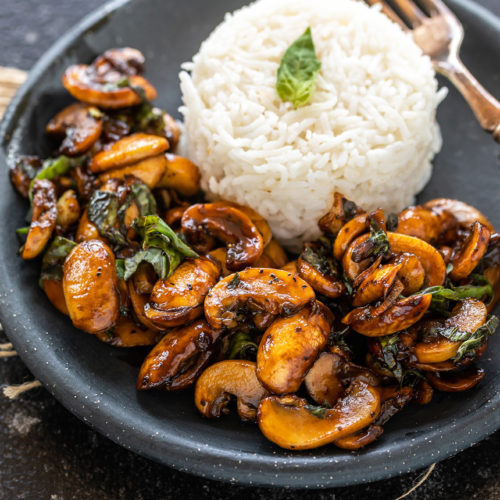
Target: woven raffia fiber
(10, 79)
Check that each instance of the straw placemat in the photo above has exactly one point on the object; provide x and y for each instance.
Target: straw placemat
(10, 79)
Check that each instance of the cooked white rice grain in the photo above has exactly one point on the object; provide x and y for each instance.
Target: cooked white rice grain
(368, 131)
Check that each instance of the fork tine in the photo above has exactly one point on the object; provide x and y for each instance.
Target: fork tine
(388, 12)
(410, 12)
(429, 6)
(435, 7)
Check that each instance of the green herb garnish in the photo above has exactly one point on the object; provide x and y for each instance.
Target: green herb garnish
(54, 257)
(442, 297)
(390, 353)
(242, 347)
(297, 72)
(161, 247)
(350, 209)
(477, 338)
(378, 240)
(108, 215)
(155, 256)
(470, 340)
(320, 256)
(22, 231)
(392, 222)
(54, 167)
(317, 411)
(234, 282)
(339, 338)
(103, 213)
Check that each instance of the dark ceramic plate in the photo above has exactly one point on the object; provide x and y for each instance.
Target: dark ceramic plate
(97, 382)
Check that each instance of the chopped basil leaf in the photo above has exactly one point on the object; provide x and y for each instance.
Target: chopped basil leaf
(392, 222)
(378, 239)
(320, 256)
(350, 209)
(234, 282)
(54, 257)
(54, 167)
(156, 257)
(156, 233)
(120, 268)
(161, 247)
(347, 283)
(149, 119)
(390, 353)
(103, 213)
(144, 199)
(317, 411)
(242, 347)
(477, 338)
(297, 72)
(339, 338)
(481, 289)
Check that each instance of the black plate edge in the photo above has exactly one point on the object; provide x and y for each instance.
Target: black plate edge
(202, 461)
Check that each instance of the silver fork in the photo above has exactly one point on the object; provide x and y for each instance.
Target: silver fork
(439, 34)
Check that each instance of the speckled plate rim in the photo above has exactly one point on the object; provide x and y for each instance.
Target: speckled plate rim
(186, 455)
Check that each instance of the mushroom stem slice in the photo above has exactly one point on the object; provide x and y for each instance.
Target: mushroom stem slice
(291, 423)
(229, 378)
(403, 314)
(289, 347)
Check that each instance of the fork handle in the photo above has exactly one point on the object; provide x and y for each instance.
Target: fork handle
(483, 104)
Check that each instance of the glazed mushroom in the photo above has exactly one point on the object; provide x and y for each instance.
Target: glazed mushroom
(179, 358)
(360, 439)
(87, 230)
(429, 257)
(456, 381)
(323, 383)
(111, 81)
(79, 125)
(401, 315)
(290, 346)
(123, 60)
(317, 268)
(274, 251)
(348, 233)
(68, 210)
(139, 301)
(229, 225)
(180, 174)
(471, 252)
(291, 423)
(467, 316)
(54, 290)
(127, 151)
(341, 211)
(256, 290)
(179, 298)
(376, 284)
(411, 273)
(128, 333)
(22, 171)
(148, 171)
(229, 378)
(90, 287)
(420, 223)
(44, 218)
(463, 213)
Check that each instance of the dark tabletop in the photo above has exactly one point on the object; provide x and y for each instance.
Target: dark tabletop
(47, 453)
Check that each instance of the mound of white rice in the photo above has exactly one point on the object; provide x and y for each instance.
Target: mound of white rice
(368, 131)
